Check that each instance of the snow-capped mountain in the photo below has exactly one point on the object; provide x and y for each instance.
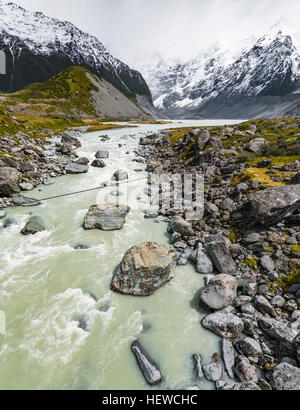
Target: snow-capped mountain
(38, 47)
(253, 78)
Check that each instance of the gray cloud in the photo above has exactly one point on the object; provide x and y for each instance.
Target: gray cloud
(177, 28)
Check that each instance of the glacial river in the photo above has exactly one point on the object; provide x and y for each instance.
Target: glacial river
(65, 329)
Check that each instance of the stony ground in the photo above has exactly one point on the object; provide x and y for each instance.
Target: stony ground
(246, 245)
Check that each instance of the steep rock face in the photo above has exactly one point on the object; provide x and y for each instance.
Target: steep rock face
(38, 47)
(261, 77)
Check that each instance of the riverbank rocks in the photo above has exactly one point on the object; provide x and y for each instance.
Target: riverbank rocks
(271, 206)
(9, 181)
(221, 257)
(286, 377)
(147, 365)
(223, 324)
(74, 168)
(69, 140)
(228, 356)
(102, 155)
(220, 292)
(144, 269)
(106, 217)
(203, 263)
(33, 226)
(180, 225)
(120, 175)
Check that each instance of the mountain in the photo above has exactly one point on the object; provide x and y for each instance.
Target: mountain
(254, 78)
(38, 47)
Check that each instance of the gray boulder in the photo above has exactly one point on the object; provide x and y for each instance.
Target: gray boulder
(220, 292)
(223, 324)
(106, 217)
(250, 347)
(202, 139)
(277, 330)
(245, 371)
(147, 365)
(144, 269)
(83, 161)
(74, 168)
(214, 371)
(256, 144)
(203, 263)
(264, 306)
(69, 140)
(2, 214)
(22, 200)
(102, 155)
(221, 257)
(180, 225)
(228, 356)
(271, 206)
(33, 226)
(98, 163)
(286, 377)
(9, 181)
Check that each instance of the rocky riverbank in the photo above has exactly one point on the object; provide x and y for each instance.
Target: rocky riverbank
(246, 245)
(28, 162)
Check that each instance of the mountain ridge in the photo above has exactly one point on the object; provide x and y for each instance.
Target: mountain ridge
(38, 47)
(242, 80)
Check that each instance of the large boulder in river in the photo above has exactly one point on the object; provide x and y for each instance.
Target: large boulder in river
(106, 217)
(224, 324)
(33, 226)
(271, 206)
(9, 181)
(220, 292)
(286, 377)
(144, 269)
(74, 168)
(147, 365)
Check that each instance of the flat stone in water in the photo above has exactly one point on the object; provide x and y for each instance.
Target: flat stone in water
(147, 365)
(106, 217)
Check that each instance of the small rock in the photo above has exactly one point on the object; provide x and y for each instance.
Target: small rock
(98, 163)
(33, 226)
(102, 155)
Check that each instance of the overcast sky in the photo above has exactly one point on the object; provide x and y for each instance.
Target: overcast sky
(177, 28)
